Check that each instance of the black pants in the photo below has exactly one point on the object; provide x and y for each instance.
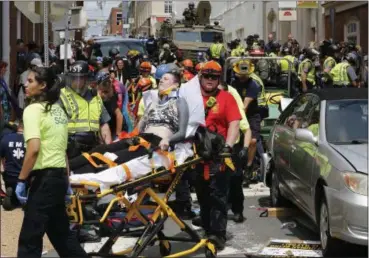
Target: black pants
(45, 212)
(213, 195)
(236, 198)
(80, 164)
(11, 181)
(183, 193)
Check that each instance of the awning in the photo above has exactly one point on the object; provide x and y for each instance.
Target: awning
(28, 10)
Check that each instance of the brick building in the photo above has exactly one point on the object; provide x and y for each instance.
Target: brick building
(115, 25)
(347, 21)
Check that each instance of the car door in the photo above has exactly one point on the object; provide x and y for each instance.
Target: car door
(283, 137)
(303, 153)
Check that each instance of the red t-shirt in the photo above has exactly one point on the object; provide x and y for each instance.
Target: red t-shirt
(222, 113)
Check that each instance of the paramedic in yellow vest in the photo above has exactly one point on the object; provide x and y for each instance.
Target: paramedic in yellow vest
(330, 62)
(87, 117)
(306, 71)
(289, 62)
(217, 50)
(343, 74)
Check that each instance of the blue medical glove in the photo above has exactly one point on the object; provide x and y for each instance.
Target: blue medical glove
(69, 193)
(21, 193)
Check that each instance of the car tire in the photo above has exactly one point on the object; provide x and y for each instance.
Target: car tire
(276, 197)
(331, 247)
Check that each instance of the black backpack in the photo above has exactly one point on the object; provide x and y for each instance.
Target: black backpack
(208, 143)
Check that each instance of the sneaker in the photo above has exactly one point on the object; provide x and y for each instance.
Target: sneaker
(219, 242)
(7, 201)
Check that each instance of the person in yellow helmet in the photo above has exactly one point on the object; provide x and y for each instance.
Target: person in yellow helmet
(249, 91)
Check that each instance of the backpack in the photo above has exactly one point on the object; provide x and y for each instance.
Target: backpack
(208, 143)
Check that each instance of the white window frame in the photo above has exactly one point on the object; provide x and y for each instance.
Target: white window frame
(348, 33)
(168, 7)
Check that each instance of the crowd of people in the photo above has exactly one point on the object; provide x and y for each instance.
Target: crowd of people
(62, 117)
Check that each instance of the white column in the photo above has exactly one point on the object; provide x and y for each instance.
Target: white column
(6, 36)
(19, 24)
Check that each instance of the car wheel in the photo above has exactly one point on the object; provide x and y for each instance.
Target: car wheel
(275, 194)
(330, 246)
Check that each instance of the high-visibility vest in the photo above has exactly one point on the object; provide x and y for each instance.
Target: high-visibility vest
(216, 50)
(261, 97)
(284, 64)
(339, 74)
(83, 115)
(311, 75)
(329, 59)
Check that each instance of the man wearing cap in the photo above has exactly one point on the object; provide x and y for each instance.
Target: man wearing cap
(212, 182)
(88, 118)
(249, 91)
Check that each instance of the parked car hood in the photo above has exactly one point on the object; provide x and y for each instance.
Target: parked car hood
(356, 154)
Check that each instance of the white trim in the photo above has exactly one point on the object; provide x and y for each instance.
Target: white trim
(344, 7)
(19, 26)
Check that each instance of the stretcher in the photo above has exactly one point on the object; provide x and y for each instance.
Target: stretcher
(153, 222)
(141, 184)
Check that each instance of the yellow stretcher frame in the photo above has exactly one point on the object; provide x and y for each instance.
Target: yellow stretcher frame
(153, 226)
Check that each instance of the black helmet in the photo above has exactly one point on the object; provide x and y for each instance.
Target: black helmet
(311, 53)
(351, 58)
(79, 68)
(276, 45)
(113, 52)
(191, 4)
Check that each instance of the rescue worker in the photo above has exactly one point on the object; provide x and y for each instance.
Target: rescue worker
(250, 91)
(306, 70)
(145, 72)
(187, 73)
(45, 170)
(343, 74)
(289, 62)
(217, 50)
(212, 182)
(87, 116)
(329, 63)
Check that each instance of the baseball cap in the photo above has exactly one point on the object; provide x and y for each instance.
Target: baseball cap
(36, 62)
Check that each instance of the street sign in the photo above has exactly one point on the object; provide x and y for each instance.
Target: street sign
(287, 15)
(307, 4)
(126, 26)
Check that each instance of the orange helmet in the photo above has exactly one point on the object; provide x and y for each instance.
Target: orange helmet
(198, 67)
(187, 63)
(145, 67)
(144, 82)
(211, 67)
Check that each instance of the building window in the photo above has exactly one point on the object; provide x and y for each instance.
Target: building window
(119, 18)
(240, 34)
(352, 32)
(168, 6)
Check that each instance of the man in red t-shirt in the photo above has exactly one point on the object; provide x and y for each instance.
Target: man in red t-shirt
(223, 117)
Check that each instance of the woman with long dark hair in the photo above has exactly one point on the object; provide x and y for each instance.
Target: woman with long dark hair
(45, 170)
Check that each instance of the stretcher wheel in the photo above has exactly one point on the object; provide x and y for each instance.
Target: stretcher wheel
(210, 254)
(165, 248)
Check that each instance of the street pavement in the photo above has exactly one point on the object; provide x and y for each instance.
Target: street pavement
(248, 238)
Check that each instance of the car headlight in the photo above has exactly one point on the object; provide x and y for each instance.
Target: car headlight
(356, 182)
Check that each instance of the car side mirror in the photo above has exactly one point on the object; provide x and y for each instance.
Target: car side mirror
(305, 135)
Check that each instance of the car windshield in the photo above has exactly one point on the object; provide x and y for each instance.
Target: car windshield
(122, 46)
(194, 36)
(347, 121)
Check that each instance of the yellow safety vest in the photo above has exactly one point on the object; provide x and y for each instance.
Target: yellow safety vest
(326, 75)
(284, 64)
(339, 74)
(311, 74)
(261, 97)
(216, 50)
(83, 115)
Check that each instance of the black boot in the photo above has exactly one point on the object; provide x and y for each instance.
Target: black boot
(182, 209)
(197, 221)
(218, 241)
(238, 218)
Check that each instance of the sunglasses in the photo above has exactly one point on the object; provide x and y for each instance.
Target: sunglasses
(211, 77)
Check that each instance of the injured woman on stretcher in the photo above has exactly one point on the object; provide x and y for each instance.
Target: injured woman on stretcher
(171, 116)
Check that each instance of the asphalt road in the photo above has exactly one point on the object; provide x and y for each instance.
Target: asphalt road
(248, 238)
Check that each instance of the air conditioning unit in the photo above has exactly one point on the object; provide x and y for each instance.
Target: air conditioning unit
(78, 18)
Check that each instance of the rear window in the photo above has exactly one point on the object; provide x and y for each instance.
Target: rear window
(122, 46)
